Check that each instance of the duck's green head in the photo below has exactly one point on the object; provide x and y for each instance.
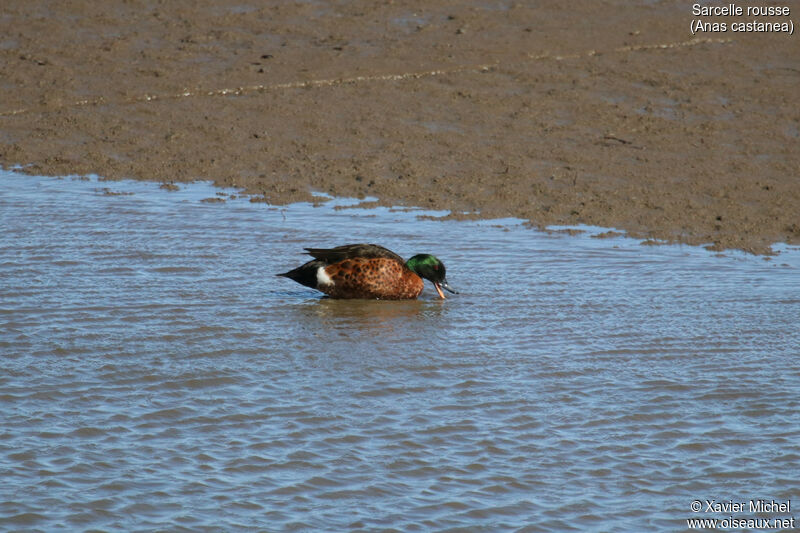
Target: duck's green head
(429, 267)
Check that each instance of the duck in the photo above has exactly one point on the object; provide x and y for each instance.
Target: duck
(369, 271)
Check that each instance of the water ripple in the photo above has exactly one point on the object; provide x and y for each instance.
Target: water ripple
(157, 376)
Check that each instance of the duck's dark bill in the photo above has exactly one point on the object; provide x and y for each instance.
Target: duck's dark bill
(447, 287)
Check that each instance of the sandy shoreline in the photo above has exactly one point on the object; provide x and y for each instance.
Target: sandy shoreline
(560, 113)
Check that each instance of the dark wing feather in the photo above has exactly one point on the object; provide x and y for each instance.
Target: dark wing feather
(349, 251)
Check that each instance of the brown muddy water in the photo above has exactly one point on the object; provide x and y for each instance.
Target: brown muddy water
(158, 376)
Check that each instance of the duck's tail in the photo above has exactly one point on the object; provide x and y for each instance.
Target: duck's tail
(305, 274)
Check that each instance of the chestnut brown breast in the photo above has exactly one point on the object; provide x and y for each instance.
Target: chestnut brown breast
(372, 278)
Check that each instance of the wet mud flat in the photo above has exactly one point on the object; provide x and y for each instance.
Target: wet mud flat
(602, 113)
(159, 376)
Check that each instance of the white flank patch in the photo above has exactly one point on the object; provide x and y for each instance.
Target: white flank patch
(322, 278)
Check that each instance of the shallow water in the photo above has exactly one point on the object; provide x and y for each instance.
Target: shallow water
(157, 375)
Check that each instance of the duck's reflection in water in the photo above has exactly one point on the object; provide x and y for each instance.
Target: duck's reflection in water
(359, 317)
